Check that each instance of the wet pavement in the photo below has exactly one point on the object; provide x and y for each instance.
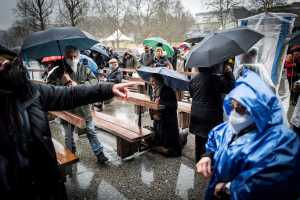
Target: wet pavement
(146, 175)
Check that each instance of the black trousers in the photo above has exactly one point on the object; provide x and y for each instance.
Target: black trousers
(199, 146)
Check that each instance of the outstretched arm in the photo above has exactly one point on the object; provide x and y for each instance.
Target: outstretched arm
(56, 98)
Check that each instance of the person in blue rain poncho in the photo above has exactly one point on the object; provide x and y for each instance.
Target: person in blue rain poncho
(253, 155)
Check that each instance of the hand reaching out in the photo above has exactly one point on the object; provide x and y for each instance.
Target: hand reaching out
(120, 89)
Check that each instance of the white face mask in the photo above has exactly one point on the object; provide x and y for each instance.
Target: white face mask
(238, 122)
(73, 63)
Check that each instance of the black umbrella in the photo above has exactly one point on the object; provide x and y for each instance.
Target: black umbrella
(218, 47)
(195, 38)
(100, 49)
(6, 51)
(52, 41)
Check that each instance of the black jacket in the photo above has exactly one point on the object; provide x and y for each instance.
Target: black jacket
(115, 76)
(43, 180)
(207, 91)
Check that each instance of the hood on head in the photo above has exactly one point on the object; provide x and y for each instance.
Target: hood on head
(259, 100)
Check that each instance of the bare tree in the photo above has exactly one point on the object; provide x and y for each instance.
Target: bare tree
(222, 9)
(73, 11)
(113, 11)
(35, 11)
(266, 5)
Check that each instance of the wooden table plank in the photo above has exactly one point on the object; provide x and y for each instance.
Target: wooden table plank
(120, 129)
(71, 118)
(64, 156)
(128, 70)
(141, 100)
(140, 132)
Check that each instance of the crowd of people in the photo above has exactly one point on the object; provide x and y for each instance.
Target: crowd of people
(241, 140)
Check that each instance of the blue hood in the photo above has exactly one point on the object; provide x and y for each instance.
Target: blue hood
(259, 100)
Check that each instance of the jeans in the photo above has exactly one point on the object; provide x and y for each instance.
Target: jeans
(90, 134)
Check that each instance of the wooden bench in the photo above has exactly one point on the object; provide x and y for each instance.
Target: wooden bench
(129, 136)
(63, 155)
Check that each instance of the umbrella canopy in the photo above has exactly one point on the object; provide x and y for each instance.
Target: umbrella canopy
(155, 41)
(100, 49)
(53, 41)
(7, 52)
(195, 38)
(52, 58)
(218, 47)
(90, 63)
(171, 78)
(295, 39)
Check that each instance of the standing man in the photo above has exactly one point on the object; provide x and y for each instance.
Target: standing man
(74, 73)
(129, 60)
(147, 57)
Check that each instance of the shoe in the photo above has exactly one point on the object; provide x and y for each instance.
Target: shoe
(101, 158)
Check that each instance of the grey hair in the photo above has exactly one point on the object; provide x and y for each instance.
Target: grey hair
(70, 49)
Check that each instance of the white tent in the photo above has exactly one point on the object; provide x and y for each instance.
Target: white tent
(118, 36)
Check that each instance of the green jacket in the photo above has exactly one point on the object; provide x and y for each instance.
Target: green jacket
(83, 76)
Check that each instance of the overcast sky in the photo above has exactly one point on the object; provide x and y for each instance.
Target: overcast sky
(7, 16)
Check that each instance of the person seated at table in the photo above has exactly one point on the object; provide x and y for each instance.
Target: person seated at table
(165, 121)
(253, 155)
(160, 60)
(114, 75)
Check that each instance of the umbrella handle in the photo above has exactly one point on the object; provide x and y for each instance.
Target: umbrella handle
(60, 51)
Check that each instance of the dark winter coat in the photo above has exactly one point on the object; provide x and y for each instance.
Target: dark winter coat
(167, 133)
(207, 91)
(41, 178)
(115, 76)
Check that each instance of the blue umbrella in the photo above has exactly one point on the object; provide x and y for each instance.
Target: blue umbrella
(100, 49)
(53, 41)
(90, 63)
(171, 78)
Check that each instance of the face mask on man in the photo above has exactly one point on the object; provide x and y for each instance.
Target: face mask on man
(73, 63)
(239, 122)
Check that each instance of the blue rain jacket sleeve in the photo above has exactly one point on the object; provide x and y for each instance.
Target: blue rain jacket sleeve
(263, 163)
(272, 172)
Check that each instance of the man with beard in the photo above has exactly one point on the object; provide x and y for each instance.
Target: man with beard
(28, 165)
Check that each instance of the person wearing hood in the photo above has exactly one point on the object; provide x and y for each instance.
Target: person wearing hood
(253, 155)
(28, 163)
(72, 73)
(129, 60)
(249, 61)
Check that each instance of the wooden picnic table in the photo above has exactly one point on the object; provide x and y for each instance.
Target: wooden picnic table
(142, 100)
(128, 70)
